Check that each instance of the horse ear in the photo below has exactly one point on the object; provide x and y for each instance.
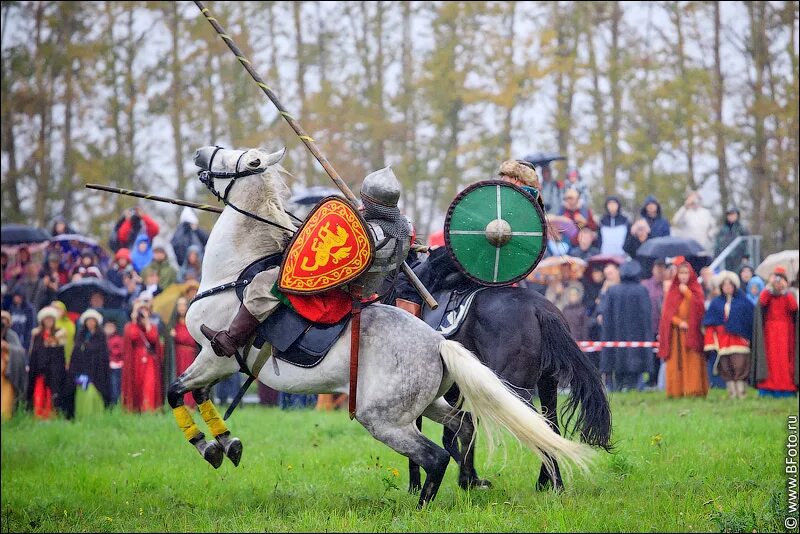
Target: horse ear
(275, 157)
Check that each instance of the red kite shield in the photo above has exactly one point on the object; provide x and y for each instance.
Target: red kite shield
(331, 248)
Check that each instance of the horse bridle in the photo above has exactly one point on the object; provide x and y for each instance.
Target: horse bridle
(207, 177)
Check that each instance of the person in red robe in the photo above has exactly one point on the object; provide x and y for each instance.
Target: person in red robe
(142, 358)
(47, 375)
(779, 315)
(186, 348)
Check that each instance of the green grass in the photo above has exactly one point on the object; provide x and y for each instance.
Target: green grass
(680, 465)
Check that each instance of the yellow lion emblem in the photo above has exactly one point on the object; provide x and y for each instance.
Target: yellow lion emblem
(324, 244)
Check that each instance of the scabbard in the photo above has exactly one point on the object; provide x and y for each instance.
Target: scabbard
(355, 337)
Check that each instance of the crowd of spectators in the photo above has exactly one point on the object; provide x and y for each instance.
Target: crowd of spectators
(116, 349)
(710, 329)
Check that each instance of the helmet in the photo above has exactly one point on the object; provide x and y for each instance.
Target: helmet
(381, 187)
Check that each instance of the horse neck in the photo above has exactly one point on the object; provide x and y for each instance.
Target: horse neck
(237, 240)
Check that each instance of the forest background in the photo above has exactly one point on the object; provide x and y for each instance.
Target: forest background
(644, 98)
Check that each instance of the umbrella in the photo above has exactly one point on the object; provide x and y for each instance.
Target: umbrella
(564, 225)
(75, 295)
(551, 266)
(66, 239)
(542, 158)
(18, 234)
(789, 259)
(164, 302)
(670, 246)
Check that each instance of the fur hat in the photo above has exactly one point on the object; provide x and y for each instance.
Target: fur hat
(91, 313)
(523, 173)
(727, 275)
(47, 311)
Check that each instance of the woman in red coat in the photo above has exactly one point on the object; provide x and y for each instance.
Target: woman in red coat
(186, 348)
(779, 311)
(142, 356)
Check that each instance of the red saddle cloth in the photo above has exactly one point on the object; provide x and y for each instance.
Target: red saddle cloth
(329, 307)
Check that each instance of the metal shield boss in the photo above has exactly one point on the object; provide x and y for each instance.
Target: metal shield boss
(495, 232)
(331, 248)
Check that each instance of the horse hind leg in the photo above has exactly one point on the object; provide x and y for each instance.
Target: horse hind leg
(232, 446)
(548, 395)
(411, 443)
(414, 480)
(211, 451)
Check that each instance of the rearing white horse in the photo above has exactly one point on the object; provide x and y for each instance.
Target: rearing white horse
(405, 366)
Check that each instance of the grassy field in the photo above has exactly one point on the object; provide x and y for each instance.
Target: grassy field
(682, 465)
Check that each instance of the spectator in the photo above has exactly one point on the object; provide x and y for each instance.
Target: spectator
(23, 317)
(32, 285)
(188, 233)
(754, 288)
(557, 288)
(4, 265)
(611, 277)
(64, 323)
(651, 211)
(655, 291)
(97, 301)
(86, 260)
(192, 265)
(151, 283)
(575, 314)
(160, 264)
(571, 209)
(710, 288)
(185, 349)
(291, 401)
(114, 345)
(52, 267)
(142, 253)
(17, 270)
(680, 337)
(60, 227)
(227, 388)
(593, 283)
(729, 325)
(89, 367)
(132, 223)
(14, 374)
(133, 286)
(775, 358)
(142, 358)
(614, 228)
(47, 377)
(551, 189)
(574, 181)
(120, 267)
(640, 232)
(626, 317)
(730, 230)
(694, 221)
(585, 249)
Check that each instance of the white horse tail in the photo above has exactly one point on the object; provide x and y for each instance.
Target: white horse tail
(493, 405)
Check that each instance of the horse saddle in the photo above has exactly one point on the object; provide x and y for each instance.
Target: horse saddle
(448, 319)
(295, 339)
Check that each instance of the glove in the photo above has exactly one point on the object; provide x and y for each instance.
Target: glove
(83, 382)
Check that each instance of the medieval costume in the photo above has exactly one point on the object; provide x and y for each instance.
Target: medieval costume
(47, 378)
(775, 349)
(89, 368)
(680, 337)
(729, 324)
(184, 348)
(65, 323)
(626, 317)
(14, 376)
(141, 371)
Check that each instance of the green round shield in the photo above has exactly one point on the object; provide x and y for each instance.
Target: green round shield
(495, 232)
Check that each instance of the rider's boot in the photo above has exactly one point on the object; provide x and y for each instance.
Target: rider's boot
(225, 342)
(411, 307)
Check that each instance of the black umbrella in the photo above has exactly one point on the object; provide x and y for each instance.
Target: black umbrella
(670, 246)
(542, 158)
(19, 234)
(76, 295)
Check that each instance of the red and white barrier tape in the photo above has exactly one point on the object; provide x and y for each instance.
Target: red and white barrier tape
(594, 346)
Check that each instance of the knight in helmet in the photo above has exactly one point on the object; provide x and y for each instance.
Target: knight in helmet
(439, 271)
(380, 193)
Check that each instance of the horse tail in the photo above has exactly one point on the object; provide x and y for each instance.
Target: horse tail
(494, 406)
(571, 366)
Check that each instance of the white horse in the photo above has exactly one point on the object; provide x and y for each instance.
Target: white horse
(405, 366)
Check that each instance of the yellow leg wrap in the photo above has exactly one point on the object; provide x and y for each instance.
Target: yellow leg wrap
(212, 418)
(185, 422)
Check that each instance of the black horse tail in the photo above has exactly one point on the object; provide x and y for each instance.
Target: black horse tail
(587, 405)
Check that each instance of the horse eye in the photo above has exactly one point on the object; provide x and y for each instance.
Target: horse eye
(255, 163)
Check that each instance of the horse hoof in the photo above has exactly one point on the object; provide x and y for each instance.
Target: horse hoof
(475, 483)
(213, 454)
(234, 451)
(414, 488)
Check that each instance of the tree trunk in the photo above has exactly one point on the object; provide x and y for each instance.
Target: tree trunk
(723, 177)
(43, 178)
(614, 76)
(759, 113)
(182, 184)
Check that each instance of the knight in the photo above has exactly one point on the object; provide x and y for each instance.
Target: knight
(380, 193)
(439, 271)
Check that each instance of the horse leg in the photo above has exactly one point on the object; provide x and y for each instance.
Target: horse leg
(209, 450)
(231, 445)
(414, 481)
(548, 394)
(411, 443)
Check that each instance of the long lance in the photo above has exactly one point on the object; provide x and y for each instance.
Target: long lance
(305, 138)
(148, 196)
